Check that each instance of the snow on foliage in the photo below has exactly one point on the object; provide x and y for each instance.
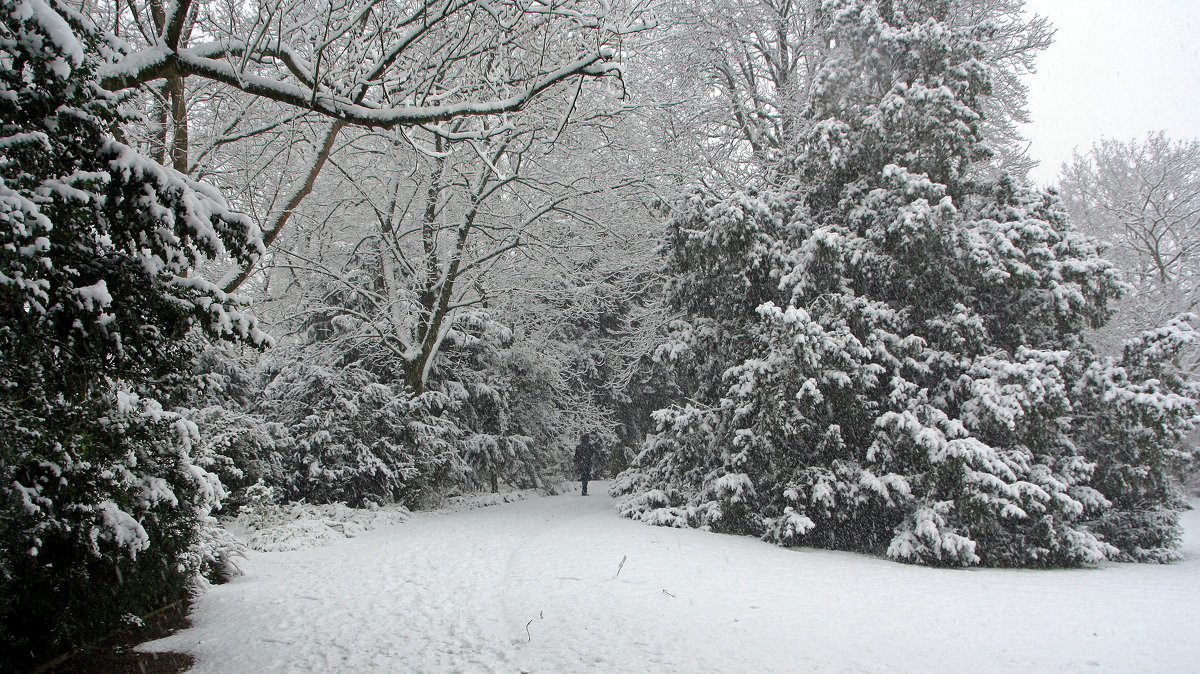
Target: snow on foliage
(269, 527)
(890, 355)
(324, 424)
(326, 434)
(98, 297)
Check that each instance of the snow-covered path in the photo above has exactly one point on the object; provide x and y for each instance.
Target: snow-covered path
(533, 587)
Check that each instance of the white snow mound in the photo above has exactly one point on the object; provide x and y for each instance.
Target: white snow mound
(298, 526)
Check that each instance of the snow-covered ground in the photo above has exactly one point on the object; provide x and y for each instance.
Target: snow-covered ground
(533, 586)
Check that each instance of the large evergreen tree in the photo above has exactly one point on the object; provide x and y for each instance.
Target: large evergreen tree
(101, 503)
(888, 355)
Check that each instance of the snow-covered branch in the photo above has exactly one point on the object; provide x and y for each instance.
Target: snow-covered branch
(373, 66)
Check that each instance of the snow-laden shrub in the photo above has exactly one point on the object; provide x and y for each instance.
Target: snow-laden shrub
(101, 502)
(1135, 414)
(113, 522)
(357, 438)
(260, 510)
(322, 432)
(890, 355)
(241, 447)
(214, 554)
(322, 425)
(509, 402)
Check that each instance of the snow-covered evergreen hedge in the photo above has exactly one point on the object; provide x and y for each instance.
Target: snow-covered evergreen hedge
(101, 504)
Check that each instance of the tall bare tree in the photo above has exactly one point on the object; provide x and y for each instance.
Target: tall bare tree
(374, 64)
(412, 229)
(1143, 197)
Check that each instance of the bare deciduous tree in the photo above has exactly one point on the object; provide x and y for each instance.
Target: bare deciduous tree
(1142, 197)
(377, 64)
(408, 239)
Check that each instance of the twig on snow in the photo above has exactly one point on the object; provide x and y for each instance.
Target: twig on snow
(528, 635)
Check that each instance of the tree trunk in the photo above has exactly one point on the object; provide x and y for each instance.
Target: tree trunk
(179, 124)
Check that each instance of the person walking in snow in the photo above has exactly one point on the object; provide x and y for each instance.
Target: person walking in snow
(584, 453)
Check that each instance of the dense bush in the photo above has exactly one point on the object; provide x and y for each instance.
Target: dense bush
(323, 424)
(889, 354)
(101, 506)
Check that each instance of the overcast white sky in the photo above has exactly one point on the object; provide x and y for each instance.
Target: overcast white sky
(1119, 69)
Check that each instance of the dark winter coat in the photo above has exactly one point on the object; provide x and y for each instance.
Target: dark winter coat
(585, 452)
